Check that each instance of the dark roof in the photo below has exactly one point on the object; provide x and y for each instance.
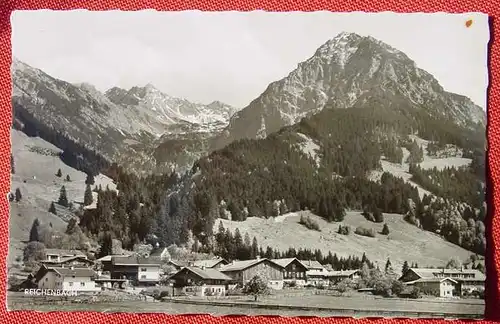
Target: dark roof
(207, 273)
(133, 261)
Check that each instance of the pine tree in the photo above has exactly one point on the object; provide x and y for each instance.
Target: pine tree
(385, 230)
(18, 195)
(34, 232)
(59, 173)
(405, 268)
(72, 224)
(68, 179)
(63, 198)
(90, 179)
(52, 208)
(255, 248)
(87, 197)
(388, 266)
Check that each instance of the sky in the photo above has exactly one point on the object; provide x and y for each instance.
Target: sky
(233, 56)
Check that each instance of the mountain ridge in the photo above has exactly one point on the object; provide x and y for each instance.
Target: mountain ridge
(109, 122)
(341, 71)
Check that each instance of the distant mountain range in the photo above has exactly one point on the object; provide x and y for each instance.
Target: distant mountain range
(148, 130)
(132, 127)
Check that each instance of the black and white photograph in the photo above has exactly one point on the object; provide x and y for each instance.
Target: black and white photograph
(249, 163)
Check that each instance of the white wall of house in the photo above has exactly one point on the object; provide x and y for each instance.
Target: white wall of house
(78, 284)
(49, 281)
(149, 273)
(298, 282)
(276, 284)
(446, 288)
(54, 257)
(201, 291)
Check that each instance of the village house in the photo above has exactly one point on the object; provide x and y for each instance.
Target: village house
(337, 276)
(242, 271)
(317, 278)
(293, 270)
(439, 287)
(313, 265)
(316, 274)
(70, 278)
(445, 282)
(138, 270)
(214, 263)
(58, 254)
(75, 261)
(104, 263)
(200, 281)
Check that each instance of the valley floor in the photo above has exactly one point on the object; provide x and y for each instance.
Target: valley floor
(313, 305)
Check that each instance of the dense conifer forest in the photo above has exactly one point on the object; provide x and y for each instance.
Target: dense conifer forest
(272, 176)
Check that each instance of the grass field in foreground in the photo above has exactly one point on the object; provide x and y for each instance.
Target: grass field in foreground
(367, 306)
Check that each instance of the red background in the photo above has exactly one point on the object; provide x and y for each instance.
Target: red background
(491, 7)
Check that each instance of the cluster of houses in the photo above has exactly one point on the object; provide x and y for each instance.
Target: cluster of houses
(72, 270)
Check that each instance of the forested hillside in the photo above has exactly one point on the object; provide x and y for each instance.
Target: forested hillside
(321, 164)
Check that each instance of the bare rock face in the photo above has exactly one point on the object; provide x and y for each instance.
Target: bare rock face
(349, 71)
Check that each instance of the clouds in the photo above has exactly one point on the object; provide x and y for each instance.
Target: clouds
(231, 56)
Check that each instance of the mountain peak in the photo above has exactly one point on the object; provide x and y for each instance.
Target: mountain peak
(150, 87)
(339, 48)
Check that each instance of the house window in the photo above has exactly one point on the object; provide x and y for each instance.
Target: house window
(70, 284)
(144, 269)
(143, 277)
(82, 284)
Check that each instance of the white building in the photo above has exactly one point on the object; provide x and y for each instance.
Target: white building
(57, 255)
(78, 279)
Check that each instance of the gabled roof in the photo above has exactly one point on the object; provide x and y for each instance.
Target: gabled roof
(63, 252)
(65, 272)
(209, 263)
(157, 252)
(312, 264)
(179, 263)
(342, 273)
(68, 259)
(433, 280)
(75, 272)
(242, 265)
(207, 273)
(432, 273)
(318, 273)
(286, 261)
(132, 261)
